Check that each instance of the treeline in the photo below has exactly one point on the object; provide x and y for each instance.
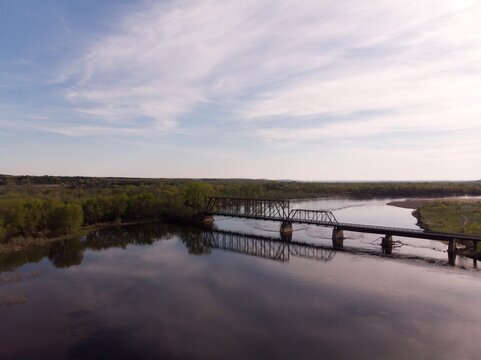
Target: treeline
(63, 212)
(32, 206)
(249, 187)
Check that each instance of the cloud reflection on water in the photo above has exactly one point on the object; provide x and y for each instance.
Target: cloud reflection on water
(151, 301)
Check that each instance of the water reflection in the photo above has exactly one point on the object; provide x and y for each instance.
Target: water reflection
(198, 241)
(66, 253)
(181, 293)
(70, 252)
(265, 247)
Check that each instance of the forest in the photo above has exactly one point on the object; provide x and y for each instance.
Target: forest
(50, 206)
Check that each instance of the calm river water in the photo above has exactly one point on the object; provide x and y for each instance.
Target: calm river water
(172, 292)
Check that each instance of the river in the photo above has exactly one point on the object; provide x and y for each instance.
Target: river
(164, 291)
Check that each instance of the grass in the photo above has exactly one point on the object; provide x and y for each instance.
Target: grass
(451, 217)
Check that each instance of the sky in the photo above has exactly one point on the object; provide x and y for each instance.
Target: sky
(277, 89)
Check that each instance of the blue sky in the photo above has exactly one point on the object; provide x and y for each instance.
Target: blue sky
(310, 90)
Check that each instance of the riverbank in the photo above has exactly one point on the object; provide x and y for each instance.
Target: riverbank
(458, 216)
(417, 203)
(463, 217)
(452, 215)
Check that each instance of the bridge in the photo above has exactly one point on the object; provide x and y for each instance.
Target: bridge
(265, 247)
(280, 210)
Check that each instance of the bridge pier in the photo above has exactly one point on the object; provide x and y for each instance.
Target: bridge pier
(337, 238)
(387, 245)
(286, 231)
(208, 221)
(452, 252)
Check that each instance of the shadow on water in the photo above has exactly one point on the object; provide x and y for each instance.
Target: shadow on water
(198, 241)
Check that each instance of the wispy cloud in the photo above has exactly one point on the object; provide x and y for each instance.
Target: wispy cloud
(418, 62)
(258, 77)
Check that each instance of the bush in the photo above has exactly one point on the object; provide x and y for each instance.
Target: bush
(196, 192)
(65, 218)
(35, 216)
(3, 231)
(12, 212)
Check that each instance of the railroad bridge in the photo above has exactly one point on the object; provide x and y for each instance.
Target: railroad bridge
(280, 211)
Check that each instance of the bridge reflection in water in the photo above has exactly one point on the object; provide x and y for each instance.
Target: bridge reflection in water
(265, 247)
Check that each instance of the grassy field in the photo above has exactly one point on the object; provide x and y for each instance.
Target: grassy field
(451, 216)
(462, 217)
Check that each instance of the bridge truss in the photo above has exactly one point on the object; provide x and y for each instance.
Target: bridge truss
(312, 216)
(265, 209)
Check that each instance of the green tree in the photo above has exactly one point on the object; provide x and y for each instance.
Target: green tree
(13, 214)
(196, 192)
(65, 218)
(35, 217)
(3, 231)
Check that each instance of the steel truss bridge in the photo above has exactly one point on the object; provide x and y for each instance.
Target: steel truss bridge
(265, 209)
(280, 210)
(265, 247)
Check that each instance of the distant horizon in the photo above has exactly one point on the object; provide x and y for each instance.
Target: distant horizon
(237, 178)
(275, 89)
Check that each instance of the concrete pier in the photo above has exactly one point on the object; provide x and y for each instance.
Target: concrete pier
(452, 252)
(286, 231)
(208, 220)
(337, 238)
(387, 245)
